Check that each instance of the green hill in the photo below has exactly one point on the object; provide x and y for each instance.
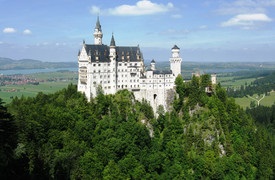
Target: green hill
(204, 136)
(6, 63)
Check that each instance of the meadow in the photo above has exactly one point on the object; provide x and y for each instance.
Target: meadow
(51, 82)
(238, 81)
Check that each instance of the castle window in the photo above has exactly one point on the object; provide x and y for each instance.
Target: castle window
(98, 64)
(94, 64)
(119, 64)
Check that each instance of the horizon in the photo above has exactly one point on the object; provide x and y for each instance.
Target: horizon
(205, 31)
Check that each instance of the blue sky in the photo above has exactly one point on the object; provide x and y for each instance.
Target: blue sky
(205, 30)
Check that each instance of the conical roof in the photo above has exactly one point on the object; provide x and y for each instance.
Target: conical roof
(113, 43)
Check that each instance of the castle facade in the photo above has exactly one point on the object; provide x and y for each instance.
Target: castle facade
(114, 68)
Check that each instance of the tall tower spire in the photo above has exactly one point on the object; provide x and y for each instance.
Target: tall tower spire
(98, 33)
(112, 54)
(113, 43)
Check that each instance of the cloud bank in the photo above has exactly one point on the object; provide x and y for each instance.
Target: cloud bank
(9, 30)
(142, 7)
(246, 20)
(27, 32)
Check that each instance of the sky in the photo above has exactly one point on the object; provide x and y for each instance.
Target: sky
(204, 30)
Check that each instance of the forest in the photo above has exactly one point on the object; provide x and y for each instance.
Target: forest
(203, 136)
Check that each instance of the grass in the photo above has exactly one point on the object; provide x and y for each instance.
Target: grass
(233, 82)
(267, 101)
(62, 80)
(30, 90)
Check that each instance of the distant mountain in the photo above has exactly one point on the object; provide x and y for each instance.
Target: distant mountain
(7, 63)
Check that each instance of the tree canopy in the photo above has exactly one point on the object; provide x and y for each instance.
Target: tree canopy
(63, 136)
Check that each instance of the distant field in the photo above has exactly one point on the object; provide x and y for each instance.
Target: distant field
(29, 90)
(233, 81)
(267, 100)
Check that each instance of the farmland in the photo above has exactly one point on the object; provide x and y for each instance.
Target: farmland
(48, 83)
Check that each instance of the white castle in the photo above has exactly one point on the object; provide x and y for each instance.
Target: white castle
(114, 68)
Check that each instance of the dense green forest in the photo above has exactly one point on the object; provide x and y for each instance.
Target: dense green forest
(204, 136)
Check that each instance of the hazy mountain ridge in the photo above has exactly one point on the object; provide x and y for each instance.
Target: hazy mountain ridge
(7, 64)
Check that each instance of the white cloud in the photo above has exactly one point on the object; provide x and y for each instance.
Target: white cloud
(95, 10)
(142, 7)
(9, 30)
(245, 6)
(246, 20)
(27, 31)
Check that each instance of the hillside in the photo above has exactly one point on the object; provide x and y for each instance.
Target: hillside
(7, 64)
(62, 136)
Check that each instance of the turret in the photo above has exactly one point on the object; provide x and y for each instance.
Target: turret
(214, 78)
(153, 65)
(175, 61)
(112, 48)
(98, 33)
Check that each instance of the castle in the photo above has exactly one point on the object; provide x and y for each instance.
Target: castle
(114, 68)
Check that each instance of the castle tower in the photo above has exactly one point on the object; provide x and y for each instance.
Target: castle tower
(214, 79)
(153, 65)
(113, 65)
(175, 61)
(98, 33)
